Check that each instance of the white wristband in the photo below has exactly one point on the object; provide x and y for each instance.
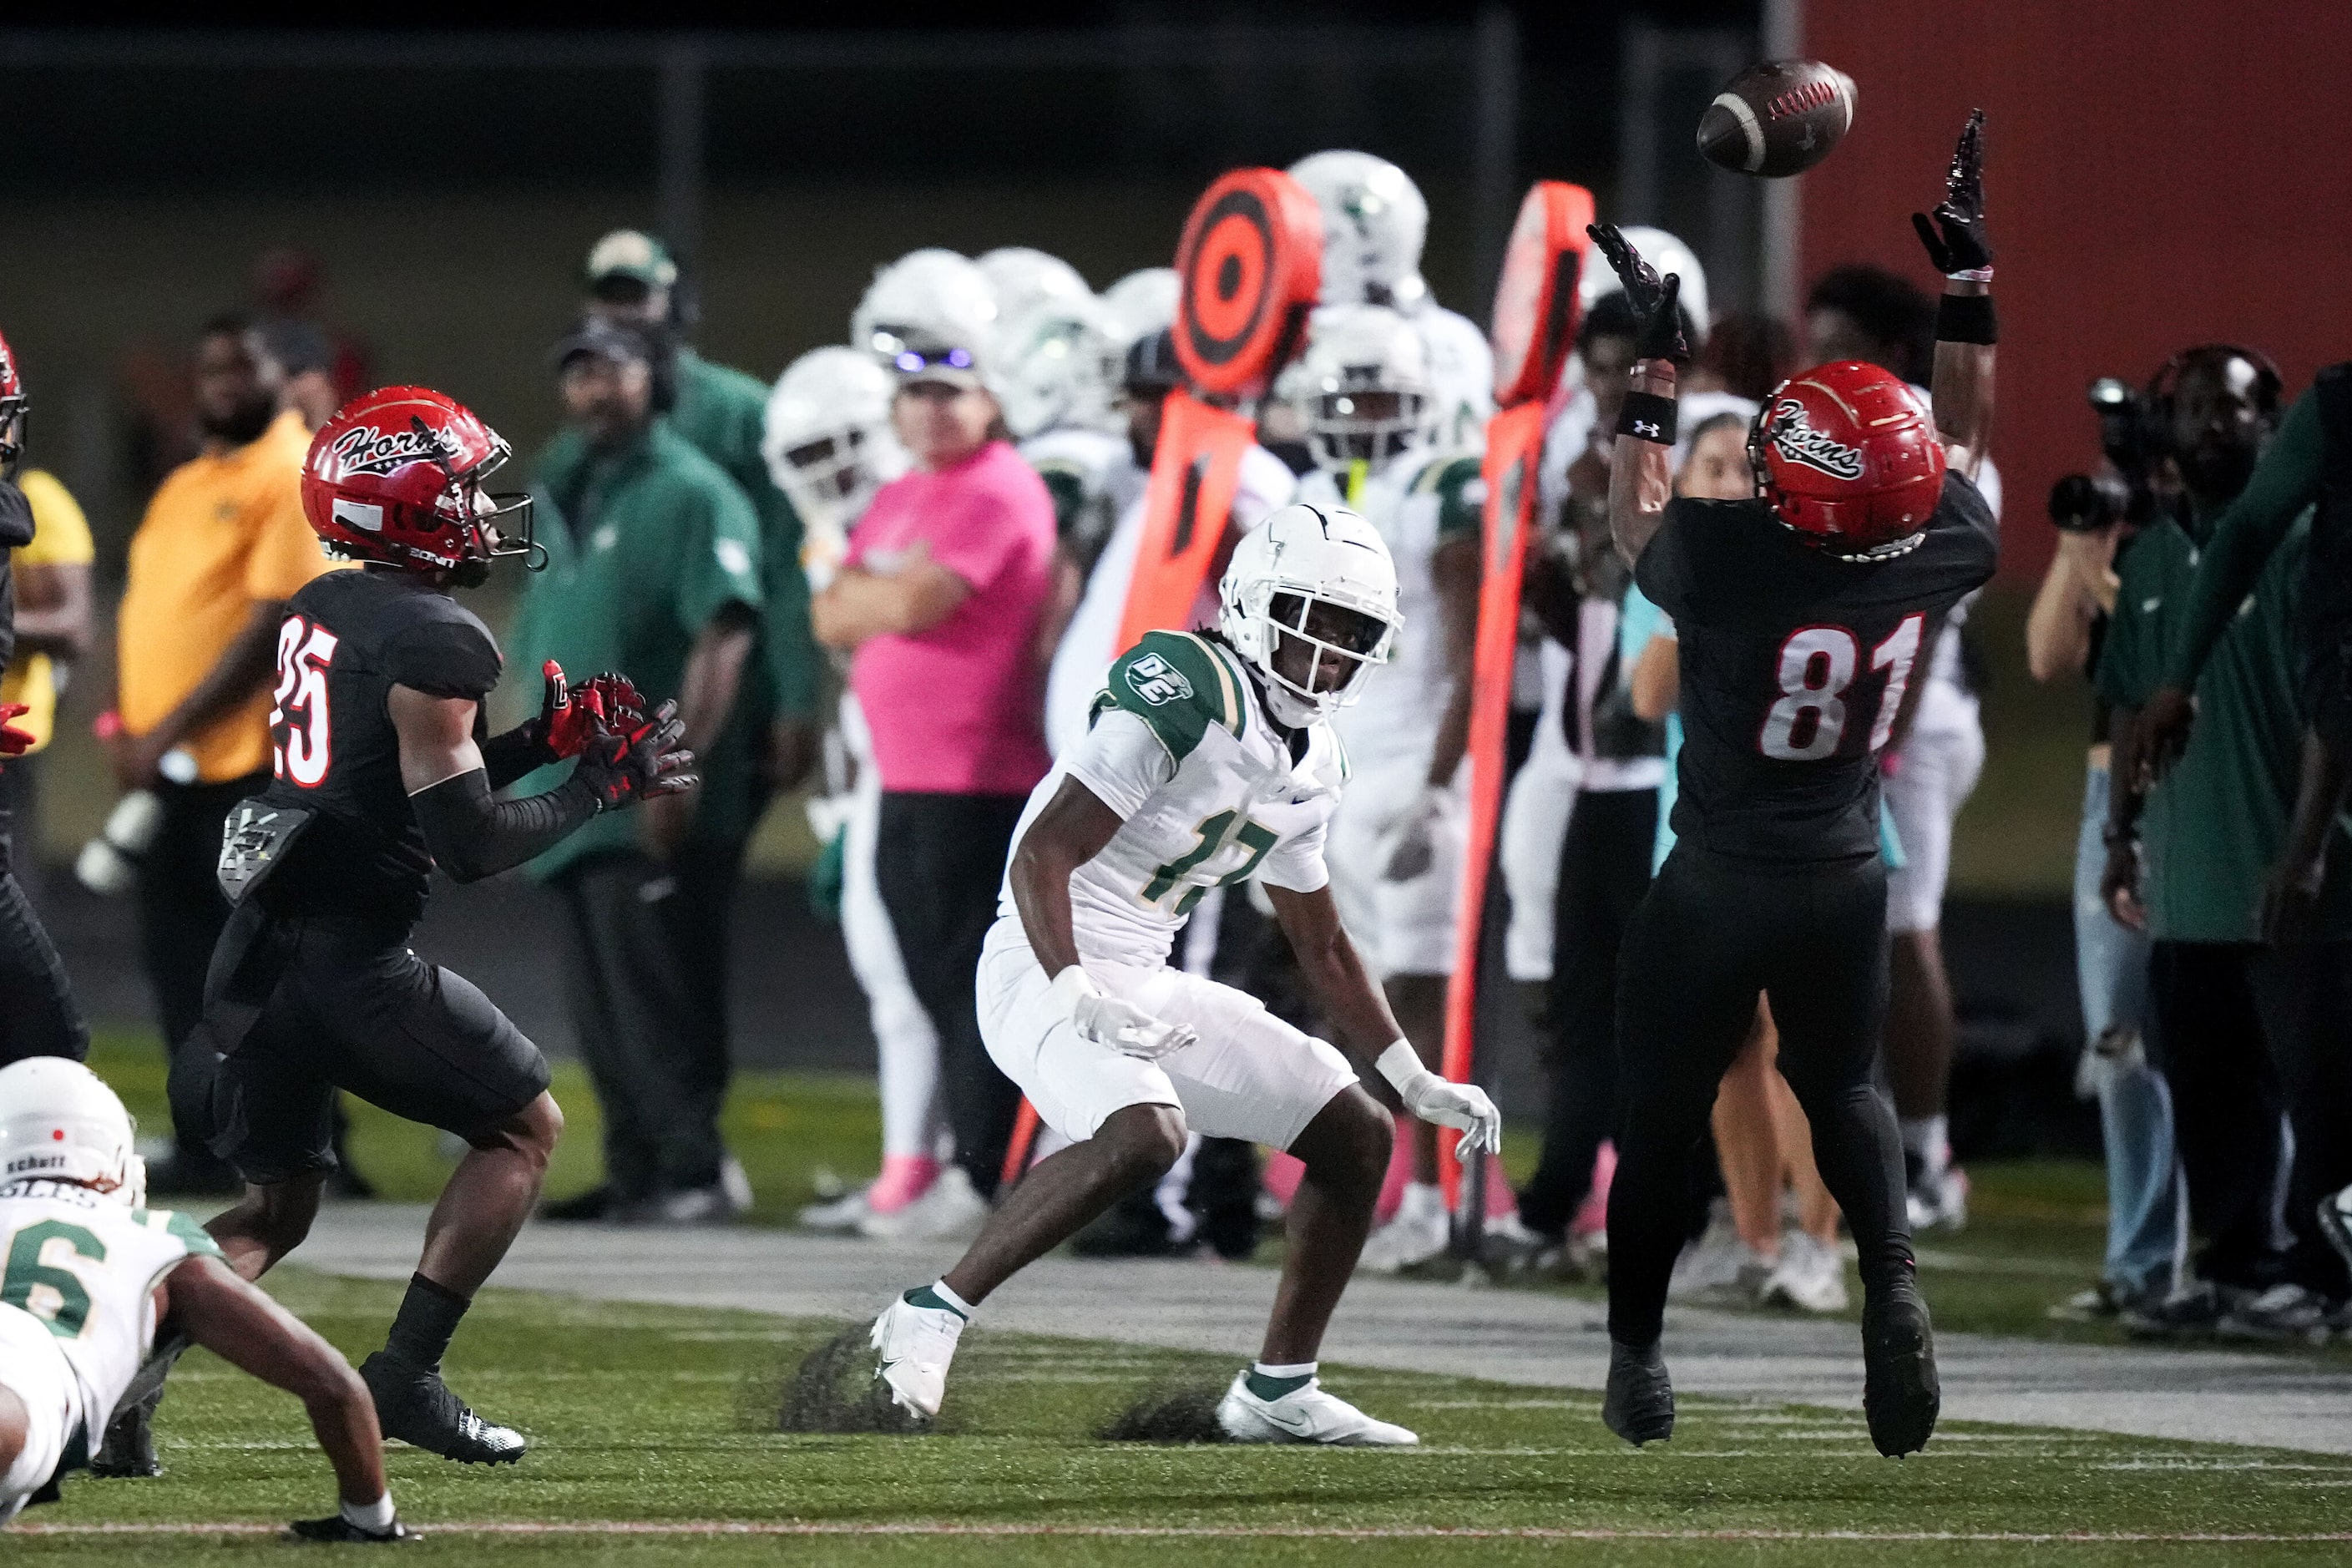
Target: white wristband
(1401, 1064)
(1069, 986)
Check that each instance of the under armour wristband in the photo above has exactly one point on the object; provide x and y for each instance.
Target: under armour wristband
(1966, 319)
(1648, 417)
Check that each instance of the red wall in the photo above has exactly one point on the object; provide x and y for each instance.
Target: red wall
(2158, 173)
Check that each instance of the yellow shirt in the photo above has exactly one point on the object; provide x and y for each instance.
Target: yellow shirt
(60, 538)
(223, 535)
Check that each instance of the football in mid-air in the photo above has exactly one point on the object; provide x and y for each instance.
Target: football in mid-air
(1777, 117)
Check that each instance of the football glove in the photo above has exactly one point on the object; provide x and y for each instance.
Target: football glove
(634, 758)
(1656, 302)
(13, 743)
(1443, 1103)
(1415, 850)
(1955, 235)
(1107, 1020)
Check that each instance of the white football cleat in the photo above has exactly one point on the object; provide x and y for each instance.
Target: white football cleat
(1419, 1230)
(1810, 1276)
(1305, 1415)
(842, 1216)
(912, 1347)
(952, 1209)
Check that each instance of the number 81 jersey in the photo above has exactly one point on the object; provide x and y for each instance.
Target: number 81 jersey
(1209, 792)
(1794, 666)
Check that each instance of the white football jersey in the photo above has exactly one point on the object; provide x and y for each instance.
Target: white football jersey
(1207, 790)
(1417, 503)
(87, 1268)
(1462, 369)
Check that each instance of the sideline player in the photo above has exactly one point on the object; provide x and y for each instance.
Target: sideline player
(88, 1274)
(1800, 616)
(1211, 760)
(384, 768)
(1396, 838)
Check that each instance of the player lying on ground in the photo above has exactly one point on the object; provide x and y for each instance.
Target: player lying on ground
(383, 769)
(87, 1276)
(1210, 761)
(1801, 615)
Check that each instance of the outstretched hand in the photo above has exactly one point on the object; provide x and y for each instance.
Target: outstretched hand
(638, 758)
(1656, 301)
(1955, 235)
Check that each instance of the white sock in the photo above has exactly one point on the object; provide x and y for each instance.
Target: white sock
(374, 1516)
(940, 1289)
(1927, 1139)
(1303, 1369)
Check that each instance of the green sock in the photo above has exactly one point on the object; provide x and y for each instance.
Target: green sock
(929, 1297)
(1271, 1383)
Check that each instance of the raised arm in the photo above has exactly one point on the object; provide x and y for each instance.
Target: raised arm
(1961, 384)
(1641, 473)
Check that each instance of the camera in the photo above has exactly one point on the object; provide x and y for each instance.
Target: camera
(2084, 503)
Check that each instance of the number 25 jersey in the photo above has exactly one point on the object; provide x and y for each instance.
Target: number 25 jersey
(1794, 664)
(1208, 791)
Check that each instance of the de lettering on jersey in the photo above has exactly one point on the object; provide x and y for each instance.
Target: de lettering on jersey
(1157, 682)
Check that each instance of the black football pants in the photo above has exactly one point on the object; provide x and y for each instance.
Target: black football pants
(938, 860)
(182, 911)
(1604, 872)
(647, 964)
(2213, 1004)
(1712, 934)
(39, 1015)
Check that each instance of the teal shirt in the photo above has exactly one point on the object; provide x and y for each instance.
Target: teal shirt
(724, 413)
(644, 547)
(2213, 828)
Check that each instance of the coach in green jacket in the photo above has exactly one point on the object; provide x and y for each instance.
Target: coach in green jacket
(653, 570)
(632, 279)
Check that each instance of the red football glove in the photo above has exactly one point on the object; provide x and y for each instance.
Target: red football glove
(565, 723)
(616, 698)
(15, 742)
(636, 758)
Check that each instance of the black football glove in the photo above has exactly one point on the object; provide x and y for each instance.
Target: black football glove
(1656, 302)
(636, 758)
(1960, 246)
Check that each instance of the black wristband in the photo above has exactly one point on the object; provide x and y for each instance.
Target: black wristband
(1648, 417)
(1966, 319)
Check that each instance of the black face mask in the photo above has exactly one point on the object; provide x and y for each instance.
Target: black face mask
(244, 427)
(16, 516)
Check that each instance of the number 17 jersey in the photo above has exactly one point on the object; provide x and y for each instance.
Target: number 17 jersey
(1794, 664)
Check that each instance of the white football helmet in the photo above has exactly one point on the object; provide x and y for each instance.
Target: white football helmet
(1375, 223)
(1320, 577)
(1362, 388)
(1667, 254)
(1024, 277)
(929, 295)
(1144, 302)
(829, 446)
(59, 1121)
(1061, 366)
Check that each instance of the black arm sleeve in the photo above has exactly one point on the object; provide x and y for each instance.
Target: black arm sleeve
(509, 756)
(472, 836)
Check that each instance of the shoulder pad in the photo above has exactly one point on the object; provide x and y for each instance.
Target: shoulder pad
(445, 651)
(1180, 685)
(1459, 483)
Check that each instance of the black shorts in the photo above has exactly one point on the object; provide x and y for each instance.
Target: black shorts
(353, 1009)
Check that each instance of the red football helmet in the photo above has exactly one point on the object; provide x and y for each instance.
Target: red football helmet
(396, 477)
(13, 404)
(1847, 454)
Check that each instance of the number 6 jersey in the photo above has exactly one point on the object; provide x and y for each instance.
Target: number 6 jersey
(1208, 791)
(1794, 664)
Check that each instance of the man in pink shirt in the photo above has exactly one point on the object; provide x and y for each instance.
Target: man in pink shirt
(945, 597)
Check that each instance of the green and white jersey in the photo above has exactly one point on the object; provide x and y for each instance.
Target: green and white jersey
(1093, 478)
(1418, 503)
(86, 1269)
(1207, 789)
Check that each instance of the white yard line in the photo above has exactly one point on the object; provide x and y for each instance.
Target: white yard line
(1213, 1533)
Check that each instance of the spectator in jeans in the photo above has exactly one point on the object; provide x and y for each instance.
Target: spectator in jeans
(2062, 637)
(2244, 1030)
(944, 598)
(222, 548)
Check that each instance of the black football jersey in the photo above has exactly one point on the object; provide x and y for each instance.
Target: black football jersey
(1794, 664)
(348, 639)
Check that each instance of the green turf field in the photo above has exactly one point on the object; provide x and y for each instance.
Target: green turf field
(663, 1417)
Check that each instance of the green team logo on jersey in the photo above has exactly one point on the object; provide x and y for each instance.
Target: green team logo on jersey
(1157, 682)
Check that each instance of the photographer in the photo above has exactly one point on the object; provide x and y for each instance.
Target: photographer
(2190, 861)
(2097, 521)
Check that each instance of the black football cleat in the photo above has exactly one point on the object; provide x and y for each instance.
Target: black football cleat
(1900, 1394)
(335, 1529)
(414, 1405)
(127, 1452)
(1640, 1404)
